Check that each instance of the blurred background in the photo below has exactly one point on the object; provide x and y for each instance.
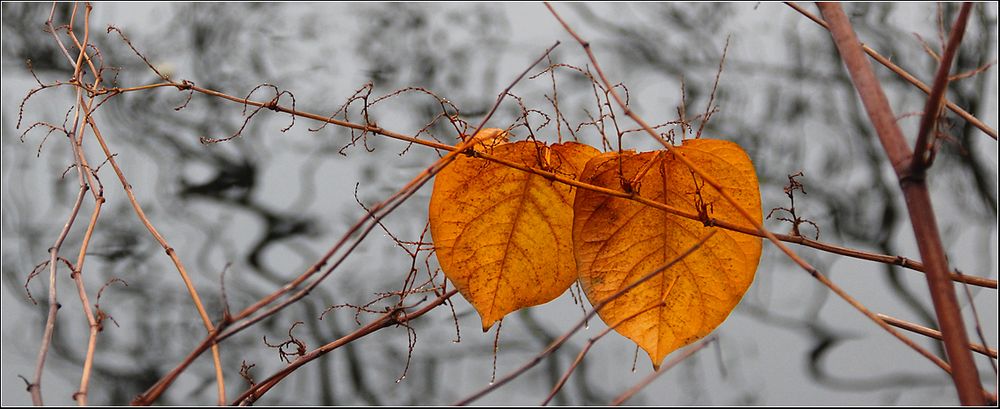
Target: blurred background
(270, 202)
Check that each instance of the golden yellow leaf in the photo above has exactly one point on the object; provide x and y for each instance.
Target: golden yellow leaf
(504, 236)
(617, 241)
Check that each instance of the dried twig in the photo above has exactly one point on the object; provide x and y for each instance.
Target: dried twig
(927, 332)
(35, 387)
(592, 341)
(88, 119)
(388, 319)
(663, 369)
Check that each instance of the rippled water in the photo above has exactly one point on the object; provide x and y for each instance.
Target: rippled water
(270, 202)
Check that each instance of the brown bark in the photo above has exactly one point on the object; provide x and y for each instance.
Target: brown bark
(918, 203)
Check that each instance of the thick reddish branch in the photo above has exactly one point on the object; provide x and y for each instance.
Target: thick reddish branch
(918, 203)
(923, 151)
(992, 133)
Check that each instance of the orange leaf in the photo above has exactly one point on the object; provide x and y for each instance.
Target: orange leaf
(504, 236)
(617, 241)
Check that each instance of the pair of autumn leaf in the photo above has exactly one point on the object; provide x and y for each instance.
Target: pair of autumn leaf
(510, 239)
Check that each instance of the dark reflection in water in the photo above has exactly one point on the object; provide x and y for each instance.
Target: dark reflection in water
(269, 202)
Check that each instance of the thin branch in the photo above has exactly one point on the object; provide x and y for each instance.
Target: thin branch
(88, 118)
(709, 109)
(81, 395)
(978, 324)
(390, 318)
(927, 332)
(663, 369)
(52, 30)
(592, 341)
(88, 176)
(209, 327)
(35, 388)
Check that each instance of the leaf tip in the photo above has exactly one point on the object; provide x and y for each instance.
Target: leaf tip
(487, 324)
(657, 358)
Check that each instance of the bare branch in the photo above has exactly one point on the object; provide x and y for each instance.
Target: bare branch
(663, 369)
(906, 76)
(964, 373)
(923, 151)
(927, 332)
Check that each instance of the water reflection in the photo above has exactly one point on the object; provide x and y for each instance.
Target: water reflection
(270, 202)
